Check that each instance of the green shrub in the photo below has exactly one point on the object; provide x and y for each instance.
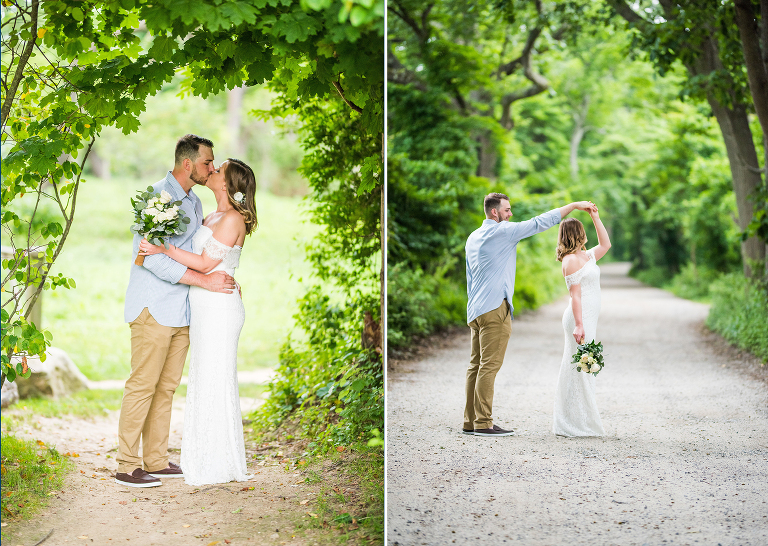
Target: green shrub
(693, 283)
(419, 304)
(653, 276)
(330, 385)
(739, 312)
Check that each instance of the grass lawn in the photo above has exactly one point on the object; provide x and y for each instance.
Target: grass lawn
(30, 471)
(87, 322)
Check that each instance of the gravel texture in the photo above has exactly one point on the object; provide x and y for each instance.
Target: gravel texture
(685, 459)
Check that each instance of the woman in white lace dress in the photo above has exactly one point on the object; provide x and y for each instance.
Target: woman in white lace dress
(576, 411)
(212, 447)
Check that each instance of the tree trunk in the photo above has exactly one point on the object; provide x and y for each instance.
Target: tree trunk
(755, 61)
(100, 165)
(579, 130)
(487, 158)
(742, 155)
(234, 119)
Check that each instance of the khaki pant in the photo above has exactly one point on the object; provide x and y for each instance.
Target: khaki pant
(490, 336)
(157, 361)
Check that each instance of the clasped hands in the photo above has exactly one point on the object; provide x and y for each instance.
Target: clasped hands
(587, 206)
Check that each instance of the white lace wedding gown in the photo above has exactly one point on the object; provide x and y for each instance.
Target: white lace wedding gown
(576, 411)
(212, 447)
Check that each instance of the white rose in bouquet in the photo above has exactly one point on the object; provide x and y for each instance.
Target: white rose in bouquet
(165, 197)
(589, 357)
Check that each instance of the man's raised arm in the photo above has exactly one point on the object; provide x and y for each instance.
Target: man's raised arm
(581, 205)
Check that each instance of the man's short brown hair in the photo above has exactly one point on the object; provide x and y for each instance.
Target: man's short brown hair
(492, 201)
(188, 147)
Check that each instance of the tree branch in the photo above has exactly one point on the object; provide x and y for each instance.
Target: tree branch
(401, 12)
(352, 105)
(623, 9)
(68, 221)
(540, 83)
(511, 66)
(23, 60)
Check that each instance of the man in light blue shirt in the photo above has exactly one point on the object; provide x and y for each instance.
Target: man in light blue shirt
(491, 252)
(157, 309)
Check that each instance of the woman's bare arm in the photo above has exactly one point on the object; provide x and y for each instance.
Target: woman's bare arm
(603, 241)
(226, 232)
(571, 265)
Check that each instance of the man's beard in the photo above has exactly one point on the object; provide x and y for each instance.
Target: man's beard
(196, 179)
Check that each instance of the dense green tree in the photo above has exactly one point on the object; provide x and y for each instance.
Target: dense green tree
(723, 46)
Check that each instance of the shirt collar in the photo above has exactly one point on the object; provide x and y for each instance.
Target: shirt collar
(489, 221)
(175, 188)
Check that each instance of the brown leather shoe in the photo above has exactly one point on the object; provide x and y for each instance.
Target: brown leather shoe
(495, 431)
(137, 478)
(173, 471)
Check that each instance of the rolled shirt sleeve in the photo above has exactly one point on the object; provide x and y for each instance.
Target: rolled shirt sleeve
(161, 266)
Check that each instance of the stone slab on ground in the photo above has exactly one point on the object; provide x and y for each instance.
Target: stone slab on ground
(58, 376)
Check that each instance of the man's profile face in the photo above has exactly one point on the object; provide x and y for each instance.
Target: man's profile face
(504, 211)
(203, 166)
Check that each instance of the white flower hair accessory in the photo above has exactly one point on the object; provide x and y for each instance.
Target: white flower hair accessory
(239, 197)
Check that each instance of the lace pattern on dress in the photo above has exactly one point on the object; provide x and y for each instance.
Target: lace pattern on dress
(576, 276)
(215, 249)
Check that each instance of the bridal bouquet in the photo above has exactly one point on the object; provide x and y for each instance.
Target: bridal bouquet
(157, 217)
(589, 358)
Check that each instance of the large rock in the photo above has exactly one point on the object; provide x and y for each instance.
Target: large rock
(57, 376)
(10, 393)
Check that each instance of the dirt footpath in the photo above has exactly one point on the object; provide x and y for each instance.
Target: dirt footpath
(685, 459)
(276, 507)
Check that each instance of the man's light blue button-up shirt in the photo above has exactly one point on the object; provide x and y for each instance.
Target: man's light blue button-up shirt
(492, 259)
(155, 284)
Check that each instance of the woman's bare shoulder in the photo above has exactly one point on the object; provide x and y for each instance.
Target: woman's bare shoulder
(571, 264)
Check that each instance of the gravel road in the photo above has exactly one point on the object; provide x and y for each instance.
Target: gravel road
(685, 459)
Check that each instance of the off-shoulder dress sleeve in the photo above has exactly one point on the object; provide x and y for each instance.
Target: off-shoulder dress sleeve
(576, 276)
(215, 249)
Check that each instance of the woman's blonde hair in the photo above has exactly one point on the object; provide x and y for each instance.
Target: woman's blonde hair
(570, 238)
(240, 178)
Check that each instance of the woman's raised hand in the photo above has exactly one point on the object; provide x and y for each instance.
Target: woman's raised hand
(148, 249)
